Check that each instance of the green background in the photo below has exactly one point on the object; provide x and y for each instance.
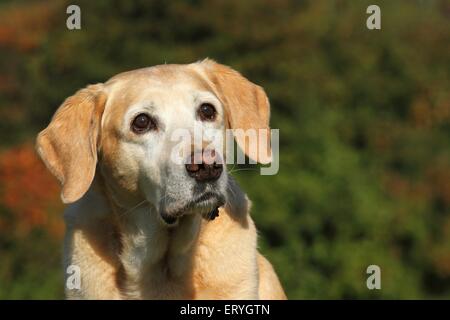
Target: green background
(364, 119)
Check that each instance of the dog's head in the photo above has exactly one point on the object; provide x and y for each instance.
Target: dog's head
(129, 128)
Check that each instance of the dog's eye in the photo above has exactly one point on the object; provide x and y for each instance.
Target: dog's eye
(207, 112)
(143, 123)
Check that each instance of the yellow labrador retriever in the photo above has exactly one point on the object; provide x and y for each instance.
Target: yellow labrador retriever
(140, 226)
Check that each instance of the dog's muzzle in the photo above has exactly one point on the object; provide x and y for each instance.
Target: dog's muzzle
(207, 204)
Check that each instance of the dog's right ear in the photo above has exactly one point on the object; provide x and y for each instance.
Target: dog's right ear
(246, 107)
(68, 146)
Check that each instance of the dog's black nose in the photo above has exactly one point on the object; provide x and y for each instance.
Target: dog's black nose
(204, 167)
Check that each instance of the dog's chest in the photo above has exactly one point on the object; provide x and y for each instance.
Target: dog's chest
(157, 262)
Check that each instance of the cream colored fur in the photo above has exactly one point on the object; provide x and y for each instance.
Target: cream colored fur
(115, 183)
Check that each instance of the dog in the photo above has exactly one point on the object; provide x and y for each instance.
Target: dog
(140, 226)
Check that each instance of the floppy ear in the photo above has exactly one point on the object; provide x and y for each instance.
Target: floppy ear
(246, 107)
(68, 146)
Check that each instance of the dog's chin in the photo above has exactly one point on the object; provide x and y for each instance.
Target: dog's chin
(207, 205)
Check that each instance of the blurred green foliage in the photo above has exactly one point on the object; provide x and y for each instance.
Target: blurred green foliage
(31, 268)
(364, 119)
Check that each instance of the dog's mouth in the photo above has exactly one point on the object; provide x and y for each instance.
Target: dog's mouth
(207, 205)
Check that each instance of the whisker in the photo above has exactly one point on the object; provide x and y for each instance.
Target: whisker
(133, 208)
(243, 169)
(231, 190)
(232, 169)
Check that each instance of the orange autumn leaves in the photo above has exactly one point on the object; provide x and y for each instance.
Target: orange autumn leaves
(29, 193)
(24, 26)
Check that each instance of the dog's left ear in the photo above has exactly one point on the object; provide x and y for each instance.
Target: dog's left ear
(68, 146)
(246, 107)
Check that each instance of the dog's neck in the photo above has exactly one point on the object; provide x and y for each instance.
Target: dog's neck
(151, 251)
(154, 251)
